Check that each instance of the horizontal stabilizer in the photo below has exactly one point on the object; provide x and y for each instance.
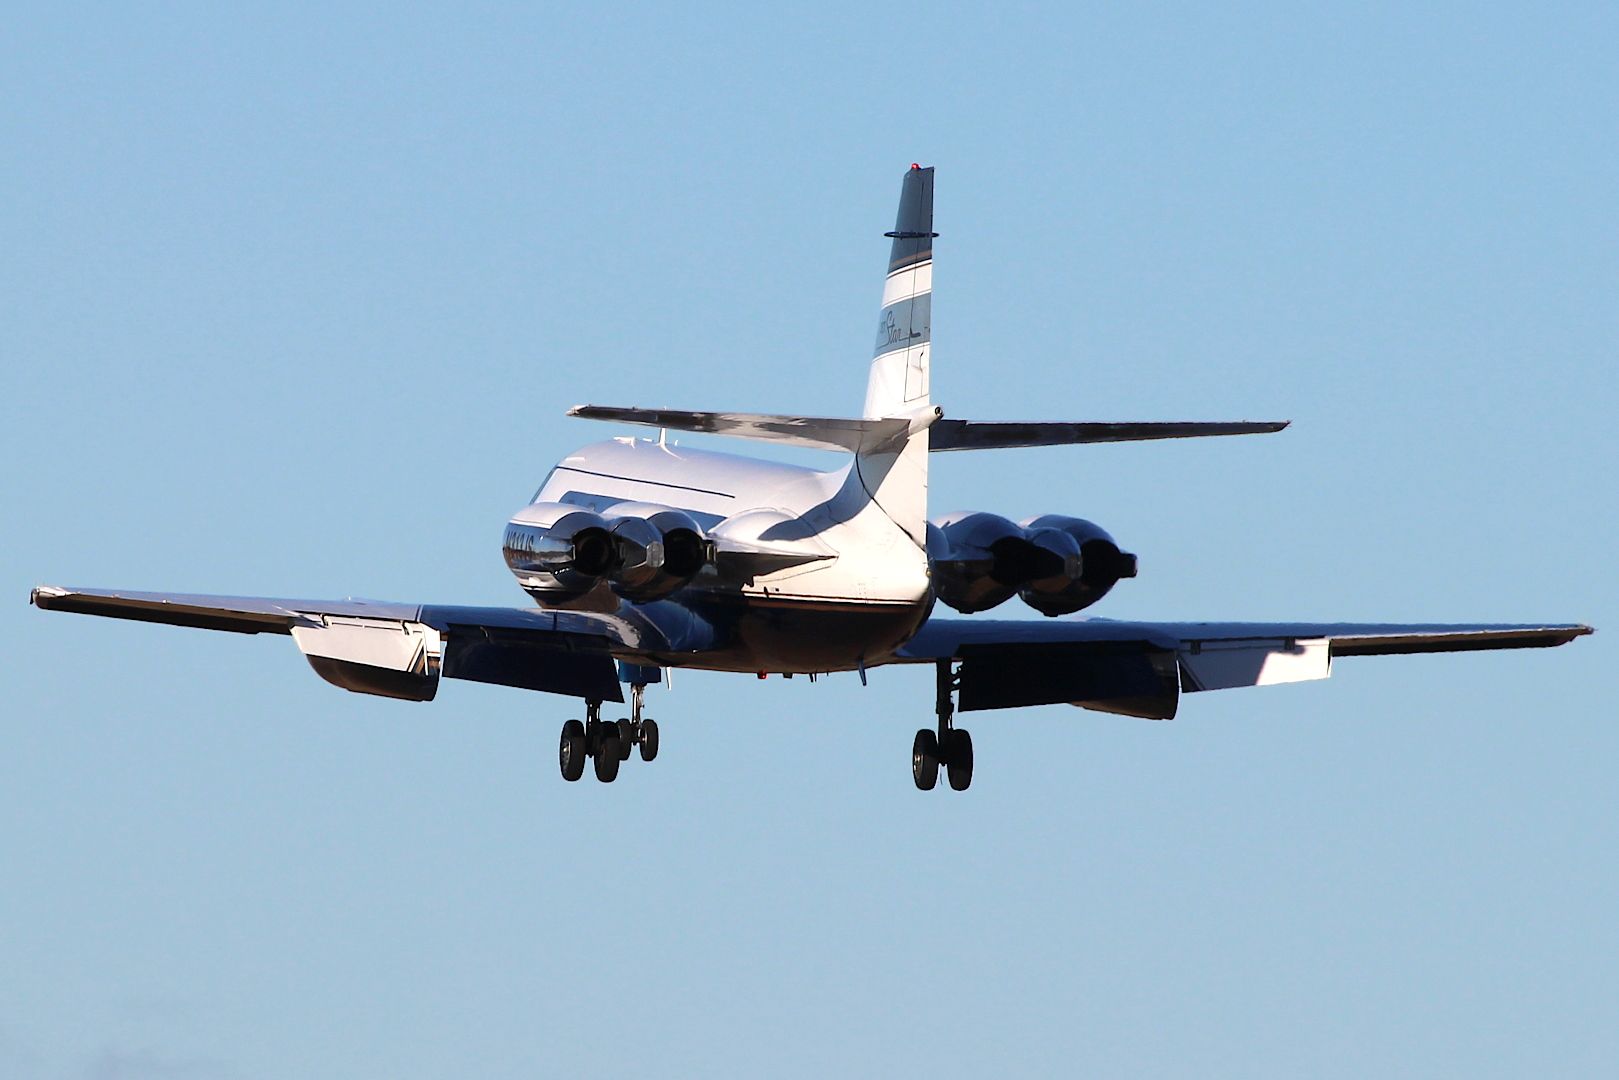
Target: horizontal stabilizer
(970, 435)
(814, 432)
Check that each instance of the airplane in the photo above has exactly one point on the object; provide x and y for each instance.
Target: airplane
(641, 557)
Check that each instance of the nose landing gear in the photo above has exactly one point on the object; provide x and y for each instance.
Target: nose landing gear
(950, 746)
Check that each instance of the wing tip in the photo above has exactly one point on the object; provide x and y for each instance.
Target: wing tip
(1462, 639)
(1553, 636)
(45, 593)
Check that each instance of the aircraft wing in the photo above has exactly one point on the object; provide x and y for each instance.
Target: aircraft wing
(1142, 668)
(401, 650)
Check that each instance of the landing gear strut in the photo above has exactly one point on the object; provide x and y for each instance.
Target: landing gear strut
(637, 730)
(950, 746)
(608, 743)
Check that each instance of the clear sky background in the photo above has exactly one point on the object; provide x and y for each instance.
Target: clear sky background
(291, 303)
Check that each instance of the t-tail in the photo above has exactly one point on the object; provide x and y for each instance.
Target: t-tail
(898, 381)
(899, 425)
(894, 473)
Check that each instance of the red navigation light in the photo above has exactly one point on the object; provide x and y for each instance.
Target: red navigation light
(914, 165)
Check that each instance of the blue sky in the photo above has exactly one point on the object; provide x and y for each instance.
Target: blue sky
(292, 302)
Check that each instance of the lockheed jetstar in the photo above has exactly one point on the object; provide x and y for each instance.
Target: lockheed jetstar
(639, 556)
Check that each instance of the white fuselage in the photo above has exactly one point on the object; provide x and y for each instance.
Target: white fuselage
(833, 582)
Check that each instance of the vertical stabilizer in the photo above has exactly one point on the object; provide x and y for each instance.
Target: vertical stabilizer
(896, 476)
(898, 383)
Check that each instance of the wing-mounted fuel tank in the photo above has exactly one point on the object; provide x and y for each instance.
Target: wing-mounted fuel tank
(1055, 564)
(561, 553)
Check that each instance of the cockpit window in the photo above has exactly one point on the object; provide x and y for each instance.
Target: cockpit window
(544, 482)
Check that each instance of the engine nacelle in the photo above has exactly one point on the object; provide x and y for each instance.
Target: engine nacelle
(643, 551)
(1056, 564)
(558, 552)
(658, 550)
(1091, 564)
(979, 560)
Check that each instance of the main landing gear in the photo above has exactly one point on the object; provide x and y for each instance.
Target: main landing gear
(606, 742)
(950, 746)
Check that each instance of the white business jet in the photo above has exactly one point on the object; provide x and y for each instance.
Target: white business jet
(640, 556)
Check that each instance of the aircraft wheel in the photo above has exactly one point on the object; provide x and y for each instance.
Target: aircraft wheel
(626, 739)
(608, 758)
(925, 759)
(959, 760)
(649, 739)
(571, 751)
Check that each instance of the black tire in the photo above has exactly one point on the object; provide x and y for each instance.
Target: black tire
(598, 732)
(626, 739)
(959, 761)
(925, 759)
(608, 758)
(571, 751)
(649, 739)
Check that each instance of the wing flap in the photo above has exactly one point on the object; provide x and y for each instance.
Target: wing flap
(1222, 665)
(569, 664)
(1130, 678)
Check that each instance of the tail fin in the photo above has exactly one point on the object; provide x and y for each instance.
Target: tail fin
(898, 382)
(895, 476)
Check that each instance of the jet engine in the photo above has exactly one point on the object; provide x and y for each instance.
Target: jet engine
(1091, 564)
(658, 550)
(1056, 564)
(558, 552)
(979, 560)
(643, 551)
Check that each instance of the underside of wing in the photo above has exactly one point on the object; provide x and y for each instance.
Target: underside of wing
(402, 650)
(973, 435)
(1142, 668)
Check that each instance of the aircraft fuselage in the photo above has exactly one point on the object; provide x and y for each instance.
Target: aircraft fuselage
(808, 573)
